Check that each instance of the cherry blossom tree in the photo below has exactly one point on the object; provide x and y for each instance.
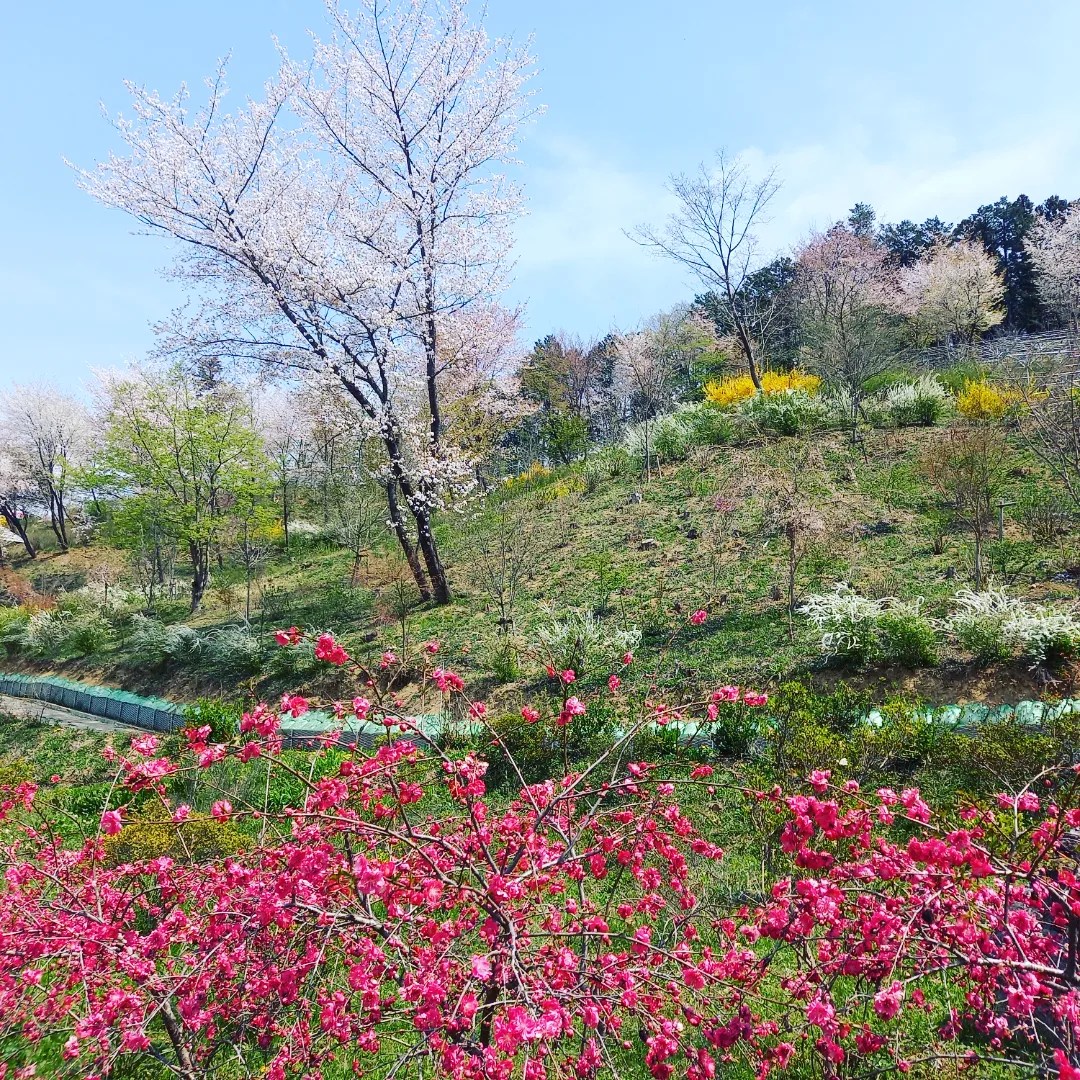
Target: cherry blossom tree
(48, 432)
(713, 234)
(16, 489)
(955, 292)
(847, 292)
(1054, 249)
(339, 224)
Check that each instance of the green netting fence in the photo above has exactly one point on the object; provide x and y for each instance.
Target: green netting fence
(153, 714)
(157, 714)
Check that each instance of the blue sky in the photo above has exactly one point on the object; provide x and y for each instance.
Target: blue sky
(918, 108)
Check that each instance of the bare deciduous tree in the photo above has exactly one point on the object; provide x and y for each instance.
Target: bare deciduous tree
(713, 234)
(968, 466)
(1050, 427)
(505, 553)
(107, 571)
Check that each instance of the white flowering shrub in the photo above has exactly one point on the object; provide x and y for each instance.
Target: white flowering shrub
(978, 621)
(232, 650)
(576, 640)
(47, 632)
(152, 642)
(790, 412)
(995, 626)
(1042, 632)
(856, 628)
(923, 402)
(846, 621)
(306, 532)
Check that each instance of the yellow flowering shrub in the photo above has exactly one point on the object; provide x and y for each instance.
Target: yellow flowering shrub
(738, 388)
(535, 474)
(198, 839)
(981, 400)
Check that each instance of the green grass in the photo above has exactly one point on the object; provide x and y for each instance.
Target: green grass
(645, 563)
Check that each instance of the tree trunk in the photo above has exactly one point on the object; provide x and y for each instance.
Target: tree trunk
(14, 523)
(792, 567)
(174, 1029)
(407, 546)
(285, 512)
(200, 572)
(747, 344)
(436, 570)
(56, 517)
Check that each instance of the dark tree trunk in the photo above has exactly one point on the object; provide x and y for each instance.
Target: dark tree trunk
(440, 584)
(56, 518)
(15, 524)
(200, 573)
(407, 546)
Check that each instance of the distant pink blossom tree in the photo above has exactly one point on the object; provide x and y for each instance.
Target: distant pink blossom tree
(1054, 247)
(847, 294)
(955, 293)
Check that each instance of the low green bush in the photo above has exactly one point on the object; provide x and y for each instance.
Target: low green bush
(672, 438)
(710, 426)
(222, 717)
(906, 637)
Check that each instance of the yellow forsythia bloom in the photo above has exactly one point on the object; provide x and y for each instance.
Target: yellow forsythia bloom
(535, 473)
(980, 400)
(730, 391)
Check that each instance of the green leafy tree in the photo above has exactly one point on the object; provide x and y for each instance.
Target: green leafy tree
(906, 242)
(182, 460)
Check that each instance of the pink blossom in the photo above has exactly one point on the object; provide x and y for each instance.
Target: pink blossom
(221, 810)
(146, 745)
(294, 705)
(110, 822)
(573, 707)
(326, 648)
(698, 617)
